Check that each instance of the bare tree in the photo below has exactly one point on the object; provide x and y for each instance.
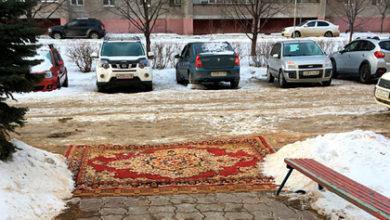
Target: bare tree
(43, 8)
(349, 10)
(253, 15)
(143, 14)
(383, 6)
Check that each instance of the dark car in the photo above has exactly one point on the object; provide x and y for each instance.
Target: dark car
(208, 62)
(79, 28)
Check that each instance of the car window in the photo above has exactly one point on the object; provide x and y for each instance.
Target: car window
(322, 24)
(56, 56)
(48, 56)
(365, 46)
(301, 49)
(311, 24)
(122, 49)
(351, 47)
(276, 49)
(72, 23)
(385, 45)
(183, 52)
(212, 47)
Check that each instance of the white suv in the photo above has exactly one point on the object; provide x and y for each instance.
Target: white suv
(123, 63)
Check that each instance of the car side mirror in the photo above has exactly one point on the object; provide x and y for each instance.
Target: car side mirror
(275, 55)
(342, 51)
(150, 55)
(60, 62)
(94, 55)
(305, 25)
(177, 56)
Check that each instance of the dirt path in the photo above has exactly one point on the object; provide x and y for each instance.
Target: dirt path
(282, 116)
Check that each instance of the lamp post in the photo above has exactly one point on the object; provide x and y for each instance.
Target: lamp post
(295, 17)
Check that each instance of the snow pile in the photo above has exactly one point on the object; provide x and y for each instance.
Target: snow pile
(34, 184)
(360, 155)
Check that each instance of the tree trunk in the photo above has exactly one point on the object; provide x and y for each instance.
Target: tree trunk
(382, 20)
(253, 45)
(351, 32)
(147, 38)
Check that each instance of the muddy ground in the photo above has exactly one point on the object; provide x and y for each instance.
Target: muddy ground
(282, 116)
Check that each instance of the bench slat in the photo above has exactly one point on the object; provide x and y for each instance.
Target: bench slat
(362, 196)
(362, 192)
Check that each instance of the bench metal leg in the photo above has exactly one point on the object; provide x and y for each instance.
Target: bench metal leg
(285, 179)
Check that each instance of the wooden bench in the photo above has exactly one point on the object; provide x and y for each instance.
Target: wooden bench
(367, 199)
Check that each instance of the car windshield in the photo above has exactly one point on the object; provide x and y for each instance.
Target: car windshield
(213, 47)
(385, 45)
(122, 49)
(301, 49)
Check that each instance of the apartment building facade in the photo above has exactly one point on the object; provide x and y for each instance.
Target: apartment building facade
(207, 16)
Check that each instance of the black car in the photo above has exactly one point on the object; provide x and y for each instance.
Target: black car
(89, 28)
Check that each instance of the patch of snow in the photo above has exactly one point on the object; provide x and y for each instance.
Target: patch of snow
(360, 155)
(34, 184)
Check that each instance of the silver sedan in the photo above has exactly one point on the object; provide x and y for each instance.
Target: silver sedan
(298, 61)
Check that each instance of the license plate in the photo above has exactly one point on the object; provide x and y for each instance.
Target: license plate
(124, 76)
(382, 94)
(310, 73)
(218, 73)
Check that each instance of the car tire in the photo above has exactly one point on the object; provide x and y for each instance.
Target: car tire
(234, 84)
(179, 80)
(58, 83)
(149, 87)
(327, 83)
(94, 35)
(328, 34)
(101, 88)
(270, 77)
(66, 84)
(57, 35)
(335, 74)
(365, 73)
(282, 80)
(297, 34)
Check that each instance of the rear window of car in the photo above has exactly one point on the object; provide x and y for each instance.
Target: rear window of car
(122, 49)
(213, 47)
(301, 49)
(385, 45)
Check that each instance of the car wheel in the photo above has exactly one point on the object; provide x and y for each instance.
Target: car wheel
(234, 84)
(328, 34)
(101, 88)
(179, 80)
(335, 74)
(327, 83)
(365, 73)
(270, 77)
(296, 34)
(66, 81)
(282, 80)
(94, 35)
(58, 83)
(57, 35)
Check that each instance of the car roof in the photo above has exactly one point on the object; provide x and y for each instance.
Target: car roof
(374, 40)
(294, 41)
(134, 39)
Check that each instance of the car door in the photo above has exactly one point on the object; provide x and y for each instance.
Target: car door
(273, 61)
(309, 29)
(355, 58)
(60, 69)
(342, 57)
(186, 61)
(321, 28)
(179, 65)
(77, 28)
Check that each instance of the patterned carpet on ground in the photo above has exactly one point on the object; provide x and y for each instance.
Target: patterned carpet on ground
(210, 166)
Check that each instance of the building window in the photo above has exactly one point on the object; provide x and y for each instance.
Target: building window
(109, 3)
(77, 2)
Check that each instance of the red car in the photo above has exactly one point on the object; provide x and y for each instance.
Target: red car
(53, 69)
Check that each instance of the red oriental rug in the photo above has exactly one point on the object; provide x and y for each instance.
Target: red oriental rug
(227, 165)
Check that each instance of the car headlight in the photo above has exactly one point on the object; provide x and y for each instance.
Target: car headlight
(327, 63)
(291, 65)
(49, 30)
(104, 63)
(48, 74)
(143, 63)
